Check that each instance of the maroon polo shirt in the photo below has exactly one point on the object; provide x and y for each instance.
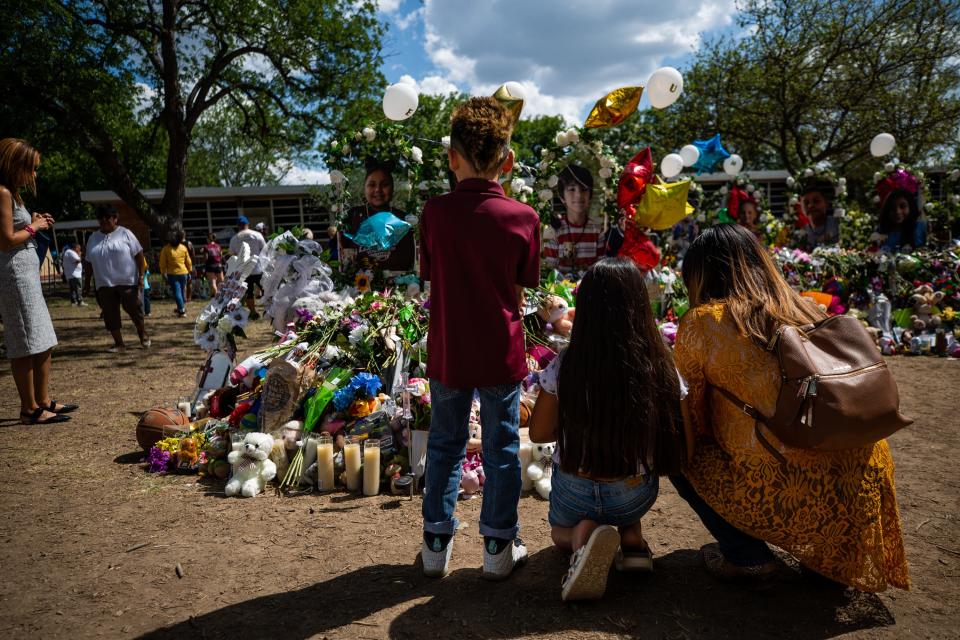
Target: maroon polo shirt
(477, 245)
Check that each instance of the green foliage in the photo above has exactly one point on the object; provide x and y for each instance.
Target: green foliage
(285, 71)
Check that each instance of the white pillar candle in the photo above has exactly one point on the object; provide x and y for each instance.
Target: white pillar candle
(325, 463)
(371, 467)
(351, 460)
(184, 407)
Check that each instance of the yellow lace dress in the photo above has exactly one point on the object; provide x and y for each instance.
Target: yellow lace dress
(836, 511)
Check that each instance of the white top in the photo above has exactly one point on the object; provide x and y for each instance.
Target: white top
(112, 257)
(72, 265)
(549, 380)
(253, 239)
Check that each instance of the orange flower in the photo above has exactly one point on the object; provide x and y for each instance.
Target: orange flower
(363, 408)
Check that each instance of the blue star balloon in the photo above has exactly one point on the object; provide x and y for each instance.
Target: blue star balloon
(711, 152)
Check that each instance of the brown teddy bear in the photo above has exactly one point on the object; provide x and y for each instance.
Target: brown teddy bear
(924, 300)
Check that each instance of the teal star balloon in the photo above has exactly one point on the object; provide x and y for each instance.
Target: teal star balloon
(711, 153)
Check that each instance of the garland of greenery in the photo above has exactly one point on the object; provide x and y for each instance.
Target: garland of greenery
(417, 176)
(572, 146)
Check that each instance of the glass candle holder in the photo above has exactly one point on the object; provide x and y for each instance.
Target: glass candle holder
(371, 467)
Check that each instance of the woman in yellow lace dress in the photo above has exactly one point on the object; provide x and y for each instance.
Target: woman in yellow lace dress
(835, 511)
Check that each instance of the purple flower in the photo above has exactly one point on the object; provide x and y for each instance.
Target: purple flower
(158, 461)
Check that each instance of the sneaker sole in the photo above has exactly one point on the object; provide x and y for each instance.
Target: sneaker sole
(589, 580)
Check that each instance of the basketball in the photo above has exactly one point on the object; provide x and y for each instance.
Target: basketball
(158, 423)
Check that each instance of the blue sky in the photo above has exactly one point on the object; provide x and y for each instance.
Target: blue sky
(566, 53)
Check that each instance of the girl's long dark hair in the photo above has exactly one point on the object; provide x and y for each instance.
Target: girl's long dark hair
(619, 393)
(909, 224)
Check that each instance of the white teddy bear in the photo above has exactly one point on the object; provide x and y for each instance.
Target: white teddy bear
(252, 467)
(540, 470)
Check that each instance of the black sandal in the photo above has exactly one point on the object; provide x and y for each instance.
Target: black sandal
(67, 408)
(34, 417)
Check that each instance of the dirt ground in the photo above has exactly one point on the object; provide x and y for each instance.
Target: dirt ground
(77, 499)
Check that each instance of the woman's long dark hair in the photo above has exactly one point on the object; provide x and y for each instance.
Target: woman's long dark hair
(618, 391)
(909, 225)
(727, 264)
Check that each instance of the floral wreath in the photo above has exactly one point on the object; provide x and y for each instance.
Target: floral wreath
(714, 207)
(894, 165)
(948, 209)
(573, 146)
(417, 177)
(819, 172)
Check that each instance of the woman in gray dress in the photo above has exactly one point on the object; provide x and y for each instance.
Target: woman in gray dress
(27, 329)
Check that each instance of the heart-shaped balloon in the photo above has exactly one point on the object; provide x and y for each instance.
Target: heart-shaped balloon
(634, 179)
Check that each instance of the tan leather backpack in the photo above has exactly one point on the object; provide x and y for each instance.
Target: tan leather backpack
(836, 391)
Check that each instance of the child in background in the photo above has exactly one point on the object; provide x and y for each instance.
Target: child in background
(611, 401)
(73, 272)
(900, 222)
(145, 302)
(479, 249)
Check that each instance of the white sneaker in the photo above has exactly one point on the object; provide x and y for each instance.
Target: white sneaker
(499, 566)
(590, 564)
(435, 562)
(117, 349)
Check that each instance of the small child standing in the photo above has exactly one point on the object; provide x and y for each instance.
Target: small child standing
(145, 302)
(611, 401)
(73, 271)
(479, 249)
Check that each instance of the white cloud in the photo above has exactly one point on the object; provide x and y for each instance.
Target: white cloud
(404, 22)
(306, 176)
(433, 85)
(388, 6)
(567, 55)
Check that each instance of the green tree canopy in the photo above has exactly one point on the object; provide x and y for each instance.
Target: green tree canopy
(289, 71)
(812, 80)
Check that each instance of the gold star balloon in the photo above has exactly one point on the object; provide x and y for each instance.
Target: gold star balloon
(509, 99)
(614, 108)
(663, 205)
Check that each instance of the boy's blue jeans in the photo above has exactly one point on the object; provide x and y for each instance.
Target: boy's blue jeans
(447, 445)
(178, 284)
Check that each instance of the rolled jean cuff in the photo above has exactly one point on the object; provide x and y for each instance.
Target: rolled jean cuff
(445, 528)
(503, 534)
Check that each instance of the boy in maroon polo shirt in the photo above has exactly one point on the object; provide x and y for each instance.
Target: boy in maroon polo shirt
(479, 249)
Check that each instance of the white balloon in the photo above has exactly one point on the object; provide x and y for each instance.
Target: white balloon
(690, 155)
(516, 90)
(733, 165)
(882, 144)
(400, 101)
(671, 165)
(664, 87)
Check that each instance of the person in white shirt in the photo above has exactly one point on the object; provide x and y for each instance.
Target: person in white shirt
(256, 242)
(116, 258)
(73, 272)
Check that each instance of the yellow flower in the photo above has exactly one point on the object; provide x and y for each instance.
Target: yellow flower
(948, 314)
(362, 282)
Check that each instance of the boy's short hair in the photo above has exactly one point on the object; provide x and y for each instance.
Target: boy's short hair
(480, 130)
(575, 174)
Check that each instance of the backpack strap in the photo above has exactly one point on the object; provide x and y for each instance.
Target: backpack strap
(758, 418)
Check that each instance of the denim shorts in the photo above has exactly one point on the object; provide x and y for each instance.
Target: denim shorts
(620, 504)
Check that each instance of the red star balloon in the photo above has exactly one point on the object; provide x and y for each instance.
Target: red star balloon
(634, 179)
(639, 248)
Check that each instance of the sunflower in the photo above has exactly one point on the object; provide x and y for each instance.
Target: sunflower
(362, 281)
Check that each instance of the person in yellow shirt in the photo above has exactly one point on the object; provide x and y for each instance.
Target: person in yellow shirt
(175, 266)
